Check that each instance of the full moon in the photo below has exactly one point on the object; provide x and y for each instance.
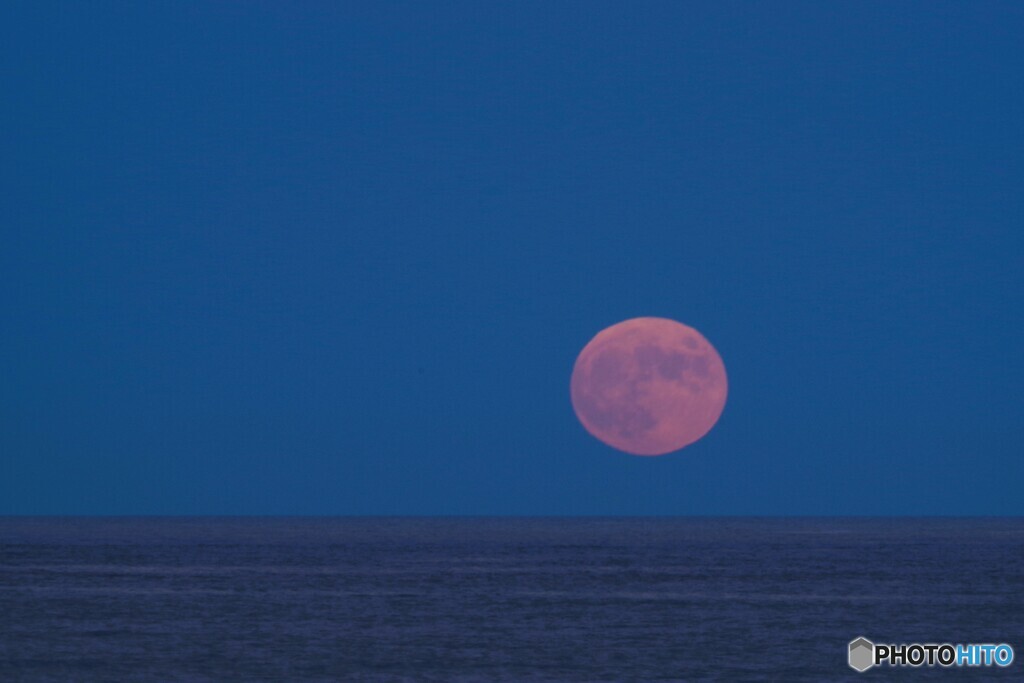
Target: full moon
(648, 386)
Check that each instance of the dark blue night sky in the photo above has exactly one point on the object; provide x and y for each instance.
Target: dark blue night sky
(339, 258)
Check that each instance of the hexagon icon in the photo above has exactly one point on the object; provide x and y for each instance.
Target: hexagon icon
(862, 654)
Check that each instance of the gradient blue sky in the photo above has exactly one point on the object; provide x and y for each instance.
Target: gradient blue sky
(339, 258)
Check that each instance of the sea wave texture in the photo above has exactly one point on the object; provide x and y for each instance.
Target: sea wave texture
(498, 599)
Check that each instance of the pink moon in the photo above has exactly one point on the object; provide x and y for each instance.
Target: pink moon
(648, 386)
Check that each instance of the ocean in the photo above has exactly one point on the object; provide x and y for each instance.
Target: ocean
(500, 599)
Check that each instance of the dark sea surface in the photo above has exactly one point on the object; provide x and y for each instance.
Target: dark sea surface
(510, 599)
